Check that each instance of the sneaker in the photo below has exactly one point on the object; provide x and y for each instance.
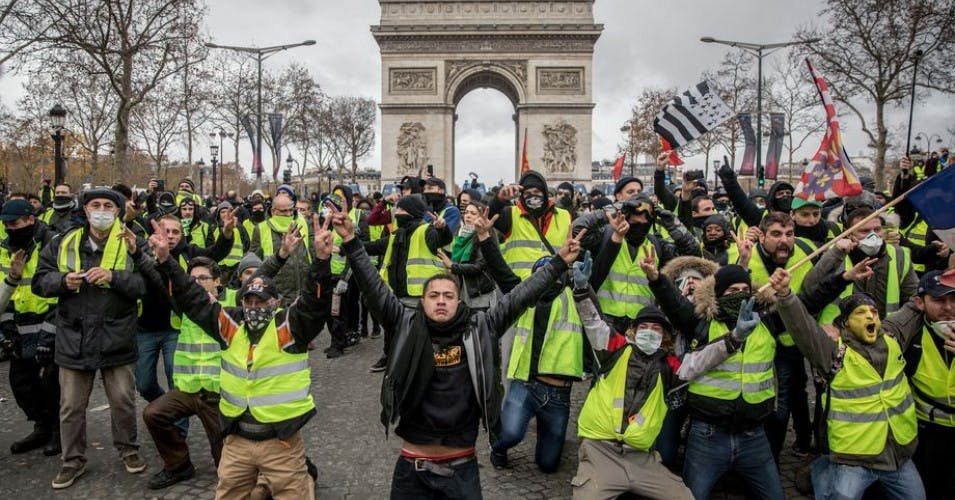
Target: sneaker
(134, 463)
(36, 439)
(66, 476)
(352, 339)
(499, 460)
(333, 352)
(166, 478)
(375, 333)
(380, 365)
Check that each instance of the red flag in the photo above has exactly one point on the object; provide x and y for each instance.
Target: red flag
(525, 165)
(618, 168)
(674, 158)
(829, 174)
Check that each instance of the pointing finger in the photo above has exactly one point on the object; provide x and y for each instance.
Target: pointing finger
(580, 235)
(155, 225)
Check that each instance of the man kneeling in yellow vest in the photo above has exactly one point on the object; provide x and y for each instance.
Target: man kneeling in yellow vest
(870, 415)
(265, 377)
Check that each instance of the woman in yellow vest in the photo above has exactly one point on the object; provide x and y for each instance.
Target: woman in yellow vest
(265, 377)
(870, 414)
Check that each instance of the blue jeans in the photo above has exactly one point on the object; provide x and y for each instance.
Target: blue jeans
(843, 482)
(150, 345)
(711, 452)
(551, 406)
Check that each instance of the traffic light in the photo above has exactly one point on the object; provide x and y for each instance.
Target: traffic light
(761, 182)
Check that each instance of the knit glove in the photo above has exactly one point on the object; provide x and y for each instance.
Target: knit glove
(746, 322)
(44, 355)
(581, 272)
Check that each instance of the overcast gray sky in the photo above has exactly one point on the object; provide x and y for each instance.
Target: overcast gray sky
(644, 44)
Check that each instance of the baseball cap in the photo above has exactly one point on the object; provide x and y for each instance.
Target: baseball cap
(14, 209)
(799, 203)
(937, 283)
(261, 287)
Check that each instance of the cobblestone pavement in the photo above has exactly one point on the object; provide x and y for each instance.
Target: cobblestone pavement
(345, 440)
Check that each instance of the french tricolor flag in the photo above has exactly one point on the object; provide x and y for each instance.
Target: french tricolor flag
(935, 200)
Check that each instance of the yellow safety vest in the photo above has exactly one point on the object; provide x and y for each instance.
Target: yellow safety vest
(602, 416)
(561, 351)
(936, 380)
(268, 246)
(422, 264)
(338, 260)
(237, 250)
(864, 406)
(273, 386)
(917, 233)
(747, 373)
(893, 289)
(626, 290)
(197, 360)
(374, 234)
(524, 246)
(115, 256)
(46, 216)
(760, 276)
(23, 298)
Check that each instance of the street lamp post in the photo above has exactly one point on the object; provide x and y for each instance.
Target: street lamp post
(916, 57)
(928, 140)
(759, 50)
(261, 53)
(202, 174)
(633, 157)
(214, 151)
(222, 134)
(58, 121)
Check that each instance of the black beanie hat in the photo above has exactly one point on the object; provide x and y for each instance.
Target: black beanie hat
(566, 186)
(653, 315)
(728, 276)
(413, 204)
(849, 304)
(623, 182)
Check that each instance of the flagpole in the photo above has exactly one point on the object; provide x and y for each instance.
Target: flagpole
(845, 233)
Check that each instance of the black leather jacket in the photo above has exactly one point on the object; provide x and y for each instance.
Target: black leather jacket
(480, 341)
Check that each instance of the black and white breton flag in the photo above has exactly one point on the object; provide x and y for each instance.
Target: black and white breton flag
(690, 115)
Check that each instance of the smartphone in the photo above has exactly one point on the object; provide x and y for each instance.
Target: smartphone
(161, 185)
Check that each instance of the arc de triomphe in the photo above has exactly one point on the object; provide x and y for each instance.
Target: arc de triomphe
(537, 53)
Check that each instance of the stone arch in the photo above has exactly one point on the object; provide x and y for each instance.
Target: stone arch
(486, 75)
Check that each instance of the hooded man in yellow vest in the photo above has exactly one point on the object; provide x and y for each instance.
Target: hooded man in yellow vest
(344, 326)
(870, 414)
(265, 380)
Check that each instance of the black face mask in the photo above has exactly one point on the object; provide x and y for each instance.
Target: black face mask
(435, 200)
(535, 204)
(62, 204)
(257, 216)
(784, 204)
(564, 202)
(729, 306)
(637, 233)
(404, 221)
(20, 238)
(721, 206)
(699, 220)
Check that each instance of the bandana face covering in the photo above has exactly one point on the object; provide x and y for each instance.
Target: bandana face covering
(257, 318)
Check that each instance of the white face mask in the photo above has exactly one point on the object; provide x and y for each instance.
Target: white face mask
(871, 244)
(944, 329)
(647, 340)
(102, 219)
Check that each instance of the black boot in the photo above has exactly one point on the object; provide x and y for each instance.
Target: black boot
(52, 447)
(39, 437)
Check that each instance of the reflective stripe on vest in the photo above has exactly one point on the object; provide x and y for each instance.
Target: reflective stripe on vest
(421, 265)
(602, 416)
(338, 260)
(626, 289)
(864, 405)
(561, 351)
(917, 234)
(114, 256)
(23, 298)
(524, 246)
(197, 360)
(760, 276)
(273, 388)
(936, 380)
(747, 373)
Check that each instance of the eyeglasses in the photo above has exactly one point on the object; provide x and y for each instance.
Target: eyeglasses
(202, 278)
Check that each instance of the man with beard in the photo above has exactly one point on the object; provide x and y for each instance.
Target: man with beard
(27, 329)
(410, 256)
(439, 381)
(59, 217)
(729, 403)
(894, 281)
(264, 381)
(870, 416)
